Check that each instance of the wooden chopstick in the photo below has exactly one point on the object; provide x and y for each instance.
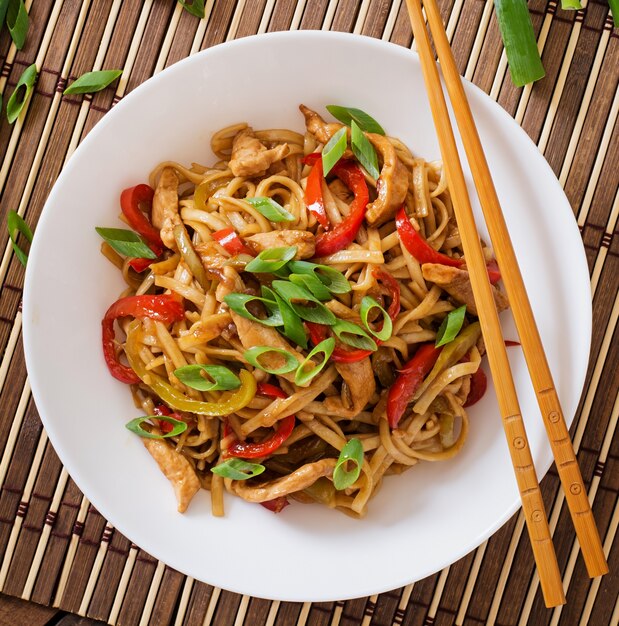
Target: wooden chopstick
(530, 494)
(550, 407)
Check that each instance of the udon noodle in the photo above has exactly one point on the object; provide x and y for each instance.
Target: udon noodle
(264, 222)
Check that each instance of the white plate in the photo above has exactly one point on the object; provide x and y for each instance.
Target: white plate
(420, 521)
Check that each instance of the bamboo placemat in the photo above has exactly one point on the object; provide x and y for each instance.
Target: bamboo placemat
(56, 549)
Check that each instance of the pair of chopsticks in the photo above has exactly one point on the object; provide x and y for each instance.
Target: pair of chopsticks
(558, 435)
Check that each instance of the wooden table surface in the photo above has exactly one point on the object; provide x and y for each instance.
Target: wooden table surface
(57, 551)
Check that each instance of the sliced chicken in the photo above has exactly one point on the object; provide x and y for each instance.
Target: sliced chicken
(253, 334)
(177, 469)
(165, 206)
(359, 377)
(300, 479)
(322, 130)
(250, 157)
(302, 239)
(457, 284)
(391, 186)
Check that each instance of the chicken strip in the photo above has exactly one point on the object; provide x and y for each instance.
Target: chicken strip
(322, 130)
(359, 376)
(250, 157)
(177, 469)
(457, 284)
(165, 206)
(253, 334)
(298, 480)
(391, 186)
(302, 239)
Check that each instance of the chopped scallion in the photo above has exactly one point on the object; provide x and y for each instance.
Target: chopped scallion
(352, 452)
(294, 294)
(347, 115)
(222, 377)
(293, 326)
(21, 93)
(367, 304)
(333, 150)
(333, 280)
(238, 303)
(126, 242)
(135, 426)
(353, 335)
(363, 149)
(313, 283)
(238, 469)
(15, 224)
(91, 82)
(450, 326)
(303, 376)
(271, 260)
(272, 210)
(17, 22)
(253, 355)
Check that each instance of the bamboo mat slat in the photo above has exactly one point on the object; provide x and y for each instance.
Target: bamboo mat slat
(57, 550)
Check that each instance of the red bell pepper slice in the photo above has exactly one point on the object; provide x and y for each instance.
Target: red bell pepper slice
(313, 193)
(247, 450)
(479, 383)
(130, 200)
(233, 244)
(409, 379)
(139, 264)
(164, 308)
(425, 253)
(344, 233)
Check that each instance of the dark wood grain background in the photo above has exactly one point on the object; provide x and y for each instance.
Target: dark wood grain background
(57, 551)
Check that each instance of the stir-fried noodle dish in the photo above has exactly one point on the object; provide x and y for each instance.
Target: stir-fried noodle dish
(298, 320)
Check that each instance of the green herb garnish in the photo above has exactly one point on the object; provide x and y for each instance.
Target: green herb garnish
(367, 304)
(253, 355)
(271, 260)
(16, 224)
(294, 294)
(91, 82)
(272, 210)
(347, 115)
(135, 426)
(222, 377)
(353, 335)
(195, 7)
(333, 280)
(313, 283)
(450, 326)
(238, 469)
(126, 242)
(352, 452)
(333, 150)
(525, 64)
(17, 22)
(293, 326)
(303, 376)
(21, 93)
(238, 303)
(363, 149)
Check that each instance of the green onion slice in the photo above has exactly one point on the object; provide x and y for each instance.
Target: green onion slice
(573, 5)
(21, 93)
(222, 377)
(347, 115)
(238, 303)
(352, 452)
(91, 82)
(4, 5)
(450, 326)
(292, 294)
(363, 149)
(303, 376)
(17, 22)
(353, 335)
(614, 9)
(126, 242)
(313, 283)
(15, 224)
(238, 469)
(333, 280)
(293, 326)
(525, 64)
(271, 260)
(253, 355)
(272, 210)
(195, 7)
(135, 426)
(333, 150)
(367, 304)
